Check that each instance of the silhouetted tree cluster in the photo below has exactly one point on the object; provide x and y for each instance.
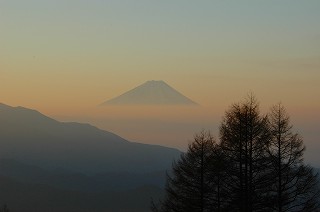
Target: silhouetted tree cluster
(257, 166)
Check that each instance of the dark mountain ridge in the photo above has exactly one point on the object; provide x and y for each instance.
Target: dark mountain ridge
(77, 181)
(35, 197)
(29, 136)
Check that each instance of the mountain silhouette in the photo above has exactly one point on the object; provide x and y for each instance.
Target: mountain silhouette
(77, 181)
(31, 197)
(29, 136)
(151, 93)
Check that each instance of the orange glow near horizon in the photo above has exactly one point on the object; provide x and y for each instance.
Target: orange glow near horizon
(64, 58)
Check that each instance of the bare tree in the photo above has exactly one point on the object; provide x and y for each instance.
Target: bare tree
(257, 166)
(191, 185)
(295, 186)
(244, 137)
(219, 167)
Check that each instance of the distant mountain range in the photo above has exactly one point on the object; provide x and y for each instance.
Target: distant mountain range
(62, 179)
(151, 93)
(31, 197)
(47, 165)
(27, 135)
(26, 188)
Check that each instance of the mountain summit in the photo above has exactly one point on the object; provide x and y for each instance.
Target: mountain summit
(151, 93)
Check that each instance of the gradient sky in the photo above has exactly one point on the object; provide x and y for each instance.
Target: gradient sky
(64, 57)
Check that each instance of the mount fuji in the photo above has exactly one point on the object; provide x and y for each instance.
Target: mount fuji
(151, 93)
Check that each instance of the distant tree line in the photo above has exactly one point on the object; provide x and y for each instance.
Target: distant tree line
(257, 166)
